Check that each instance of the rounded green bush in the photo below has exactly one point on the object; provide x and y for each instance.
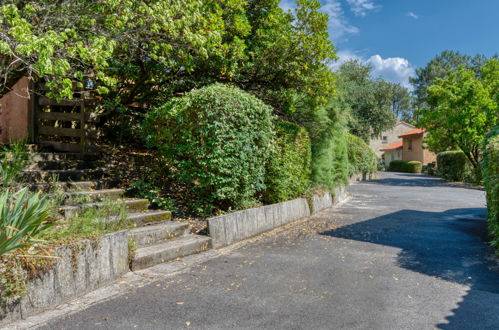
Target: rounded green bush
(405, 166)
(452, 165)
(490, 169)
(288, 170)
(361, 159)
(217, 140)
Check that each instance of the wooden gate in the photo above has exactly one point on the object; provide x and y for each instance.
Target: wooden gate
(62, 124)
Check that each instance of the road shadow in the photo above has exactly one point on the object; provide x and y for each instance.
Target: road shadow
(451, 245)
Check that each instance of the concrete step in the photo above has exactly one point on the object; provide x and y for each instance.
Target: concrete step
(45, 165)
(131, 204)
(83, 197)
(170, 250)
(63, 175)
(149, 235)
(143, 218)
(65, 186)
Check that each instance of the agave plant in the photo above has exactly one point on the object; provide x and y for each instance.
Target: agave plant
(23, 216)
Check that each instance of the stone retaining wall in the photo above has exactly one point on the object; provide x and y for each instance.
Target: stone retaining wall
(78, 271)
(230, 228)
(234, 227)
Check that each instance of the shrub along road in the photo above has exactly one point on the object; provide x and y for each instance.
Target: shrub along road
(406, 252)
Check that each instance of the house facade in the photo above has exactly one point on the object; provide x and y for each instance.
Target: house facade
(413, 147)
(389, 137)
(392, 152)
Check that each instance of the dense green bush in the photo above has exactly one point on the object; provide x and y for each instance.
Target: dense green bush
(490, 168)
(405, 166)
(288, 170)
(217, 140)
(361, 159)
(452, 165)
(429, 169)
(330, 160)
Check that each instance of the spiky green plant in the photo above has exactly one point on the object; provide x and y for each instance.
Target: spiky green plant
(22, 218)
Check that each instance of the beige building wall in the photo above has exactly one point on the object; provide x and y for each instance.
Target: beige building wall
(14, 114)
(417, 152)
(389, 137)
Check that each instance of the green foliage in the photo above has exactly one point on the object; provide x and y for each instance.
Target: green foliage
(217, 139)
(452, 165)
(430, 169)
(405, 166)
(12, 281)
(464, 109)
(330, 160)
(490, 167)
(13, 159)
(288, 169)
(370, 101)
(91, 223)
(361, 159)
(437, 68)
(22, 218)
(153, 194)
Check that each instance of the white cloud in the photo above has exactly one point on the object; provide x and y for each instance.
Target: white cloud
(412, 15)
(339, 27)
(344, 56)
(394, 69)
(361, 7)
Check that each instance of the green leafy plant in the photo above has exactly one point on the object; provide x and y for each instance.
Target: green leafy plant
(22, 218)
(13, 160)
(153, 194)
(490, 168)
(452, 165)
(361, 159)
(288, 170)
(405, 166)
(217, 140)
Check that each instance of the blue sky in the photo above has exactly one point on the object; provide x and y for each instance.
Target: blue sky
(397, 36)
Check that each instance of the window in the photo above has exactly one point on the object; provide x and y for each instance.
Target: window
(384, 139)
(410, 144)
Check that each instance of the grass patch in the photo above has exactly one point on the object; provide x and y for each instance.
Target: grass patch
(90, 224)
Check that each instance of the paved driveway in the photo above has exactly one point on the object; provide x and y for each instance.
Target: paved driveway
(406, 252)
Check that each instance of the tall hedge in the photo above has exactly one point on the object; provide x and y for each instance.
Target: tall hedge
(490, 168)
(330, 159)
(361, 159)
(452, 165)
(217, 140)
(288, 170)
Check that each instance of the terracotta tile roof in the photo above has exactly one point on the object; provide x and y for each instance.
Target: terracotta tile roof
(393, 146)
(415, 131)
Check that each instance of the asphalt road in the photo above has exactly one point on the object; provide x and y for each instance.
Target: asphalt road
(406, 252)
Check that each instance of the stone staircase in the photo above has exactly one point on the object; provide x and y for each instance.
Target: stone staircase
(84, 184)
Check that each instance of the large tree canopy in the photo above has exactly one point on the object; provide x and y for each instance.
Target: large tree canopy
(144, 52)
(372, 101)
(105, 42)
(463, 109)
(438, 68)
